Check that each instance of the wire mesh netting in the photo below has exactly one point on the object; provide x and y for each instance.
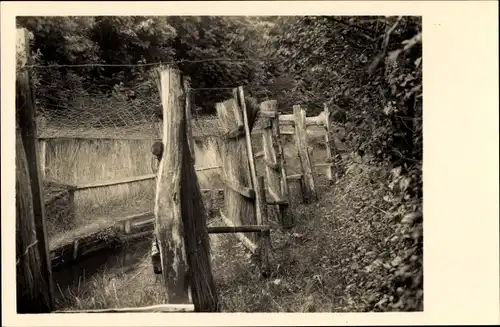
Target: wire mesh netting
(70, 105)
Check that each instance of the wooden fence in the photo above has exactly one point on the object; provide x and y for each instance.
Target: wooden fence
(127, 228)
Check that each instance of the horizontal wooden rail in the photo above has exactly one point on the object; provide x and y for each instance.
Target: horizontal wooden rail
(209, 168)
(217, 190)
(294, 177)
(238, 229)
(327, 164)
(116, 181)
(153, 308)
(243, 190)
(278, 202)
(243, 239)
(126, 180)
(318, 120)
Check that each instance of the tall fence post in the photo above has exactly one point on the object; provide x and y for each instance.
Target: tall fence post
(168, 220)
(303, 152)
(33, 266)
(330, 144)
(274, 161)
(265, 236)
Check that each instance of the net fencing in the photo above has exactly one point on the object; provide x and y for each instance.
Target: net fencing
(71, 105)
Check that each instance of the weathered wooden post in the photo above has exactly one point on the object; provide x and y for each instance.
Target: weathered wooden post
(274, 161)
(330, 144)
(303, 153)
(265, 236)
(330, 169)
(168, 221)
(33, 267)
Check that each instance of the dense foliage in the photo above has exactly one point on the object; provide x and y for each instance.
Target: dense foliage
(126, 43)
(368, 68)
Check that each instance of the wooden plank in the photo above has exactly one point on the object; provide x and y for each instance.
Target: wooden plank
(153, 308)
(275, 164)
(38, 300)
(243, 190)
(125, 180)
(240, 236)
(168, 220)
(326, 164)
(209, 168)
(302, 147)
(265, 236)
(289, 119)
(237, 229)
(238, 114)
(236, 168)
(329, 143)
(116, 181)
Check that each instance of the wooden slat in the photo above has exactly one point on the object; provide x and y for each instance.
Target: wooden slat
(309, 121)
(125, 180)
(209, 168)
(329, 144)
(153, 308)
(116, 181)
(302, 147)
(265, 236)
(327, 164)
(294, 177)
(243, 190)
(238, 229)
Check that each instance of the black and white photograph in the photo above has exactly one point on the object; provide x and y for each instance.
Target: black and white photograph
(219, 163)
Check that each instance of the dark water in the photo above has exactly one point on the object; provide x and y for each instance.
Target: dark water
(123, 259)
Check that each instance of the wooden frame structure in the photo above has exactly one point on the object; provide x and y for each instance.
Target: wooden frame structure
(245, 201)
